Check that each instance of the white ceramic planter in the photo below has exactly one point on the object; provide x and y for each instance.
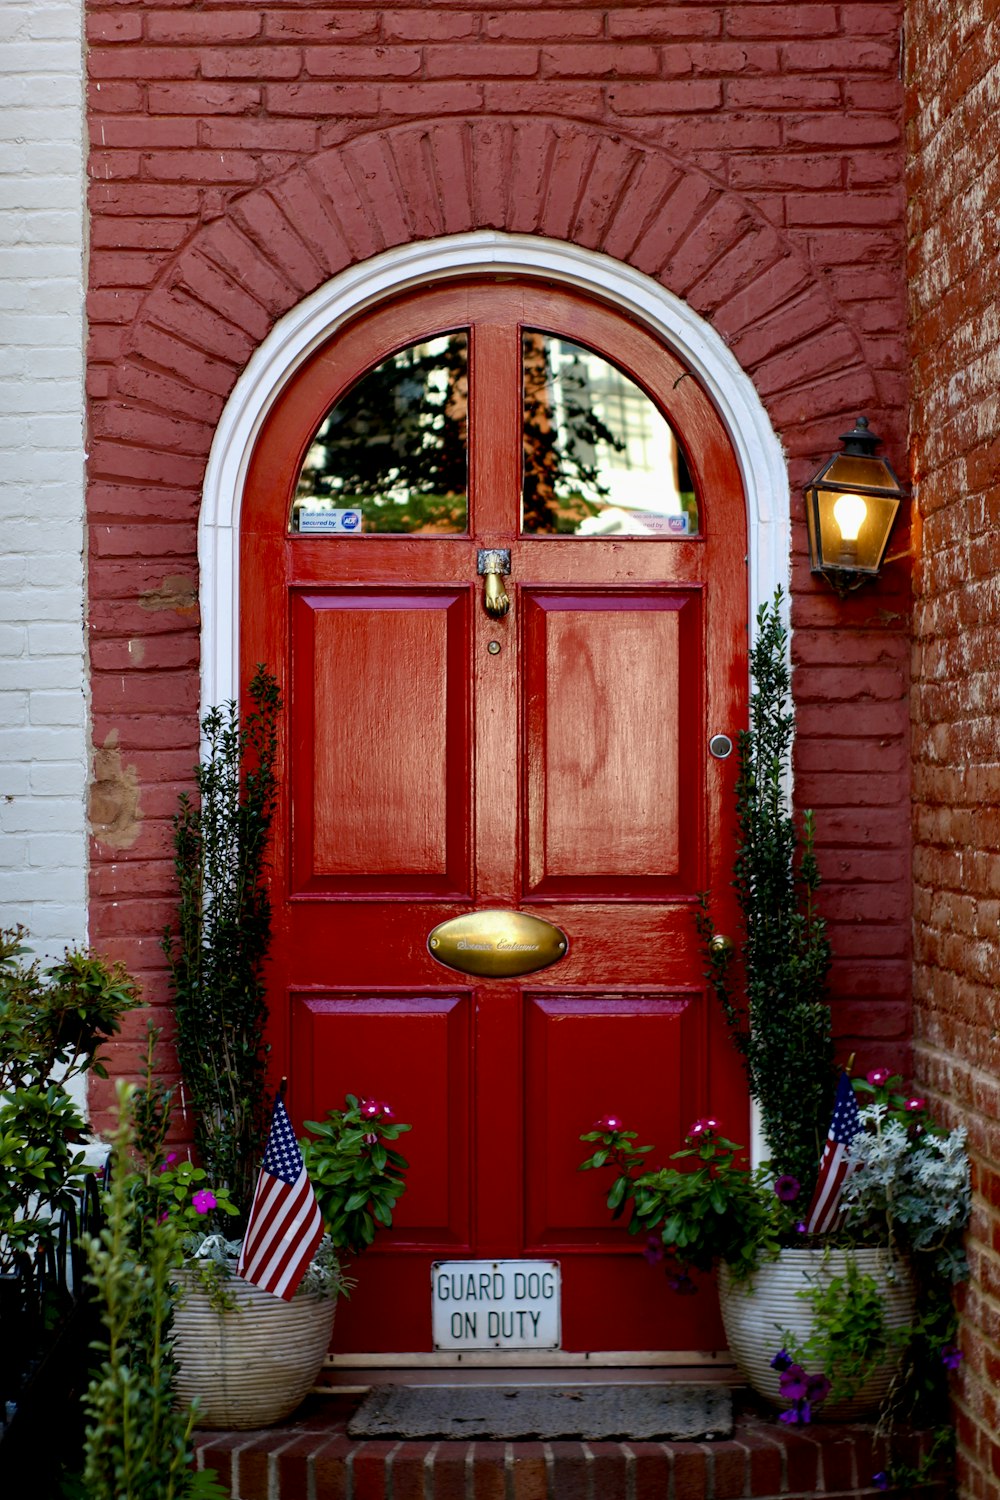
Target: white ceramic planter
(253, 1364)
(757, 1313)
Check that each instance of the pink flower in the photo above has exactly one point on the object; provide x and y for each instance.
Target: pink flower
(204, 1201)
(608, 1123)
(915, 1104)
(369, 1107)
(703, 1125)
(167, 1162)
(877, 1077)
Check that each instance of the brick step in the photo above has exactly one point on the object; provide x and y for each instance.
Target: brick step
(311, 1457)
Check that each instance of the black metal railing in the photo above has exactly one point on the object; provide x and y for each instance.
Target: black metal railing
(47, 1324)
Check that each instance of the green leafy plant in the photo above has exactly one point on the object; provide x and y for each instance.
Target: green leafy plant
(138, 1445)
(217, 954)
(772, 984)
(356, 1175)
(849, 1330)
(713, 1208)
(53, 1024)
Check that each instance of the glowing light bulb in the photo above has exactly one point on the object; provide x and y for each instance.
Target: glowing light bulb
(849, 513)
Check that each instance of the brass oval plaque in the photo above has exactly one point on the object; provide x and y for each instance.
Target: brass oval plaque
(497, 944)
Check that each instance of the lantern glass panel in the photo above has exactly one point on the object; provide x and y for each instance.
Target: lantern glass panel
(861, 553)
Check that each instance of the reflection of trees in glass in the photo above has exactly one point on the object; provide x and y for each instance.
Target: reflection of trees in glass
(561, 484)
(395, 443)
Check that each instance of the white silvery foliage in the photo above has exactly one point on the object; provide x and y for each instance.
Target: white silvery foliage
(917, 1186)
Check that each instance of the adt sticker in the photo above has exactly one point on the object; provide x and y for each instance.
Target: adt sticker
(339, 521)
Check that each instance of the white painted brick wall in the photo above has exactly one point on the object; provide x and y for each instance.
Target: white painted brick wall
(43, 751)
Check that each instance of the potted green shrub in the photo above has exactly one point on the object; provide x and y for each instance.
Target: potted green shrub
(249, 1356)
(841, 1306)
(771, 983)
(713, 1211)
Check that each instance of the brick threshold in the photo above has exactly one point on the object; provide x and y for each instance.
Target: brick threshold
(310, 1457)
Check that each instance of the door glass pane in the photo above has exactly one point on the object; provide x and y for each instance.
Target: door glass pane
(391, 455)
(600, 459)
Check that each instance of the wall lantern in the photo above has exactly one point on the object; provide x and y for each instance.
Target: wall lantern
(850, 507)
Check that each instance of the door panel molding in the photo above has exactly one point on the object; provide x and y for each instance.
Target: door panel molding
(312, 321)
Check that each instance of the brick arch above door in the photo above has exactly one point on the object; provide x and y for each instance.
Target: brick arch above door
(572, 182)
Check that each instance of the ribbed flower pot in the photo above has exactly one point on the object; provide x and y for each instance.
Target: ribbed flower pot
(253, 1364)
(757, 1314)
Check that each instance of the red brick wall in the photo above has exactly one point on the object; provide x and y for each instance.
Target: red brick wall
(953, 94)
(749, 156)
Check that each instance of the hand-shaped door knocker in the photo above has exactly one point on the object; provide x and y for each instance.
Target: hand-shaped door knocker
(494, 567)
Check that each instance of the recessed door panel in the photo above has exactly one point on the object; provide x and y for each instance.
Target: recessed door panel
(381, 796)
(365, 1045)
(611, 702)
(640, 1056)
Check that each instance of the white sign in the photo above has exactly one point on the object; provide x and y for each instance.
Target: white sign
(344, 522)
(495, 1304)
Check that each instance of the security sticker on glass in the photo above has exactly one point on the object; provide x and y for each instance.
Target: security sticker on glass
(343, 522)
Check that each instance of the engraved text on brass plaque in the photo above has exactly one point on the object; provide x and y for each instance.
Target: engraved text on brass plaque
(497, 944)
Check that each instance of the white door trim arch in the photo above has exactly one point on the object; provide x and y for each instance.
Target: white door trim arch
(296, 335)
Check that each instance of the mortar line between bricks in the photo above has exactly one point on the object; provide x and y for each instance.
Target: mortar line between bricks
(428, 1467)
(672, 1481)
(550, 1466)
(470, 1472)
(588, 1459)
(274, 1471)
(234, 1469)
(311, 1477)
(390, 1478)
(709, 1453)
(508, 1471)
(629, 1472)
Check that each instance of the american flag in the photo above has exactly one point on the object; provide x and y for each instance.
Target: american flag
(824, 1210)
(285, 1222)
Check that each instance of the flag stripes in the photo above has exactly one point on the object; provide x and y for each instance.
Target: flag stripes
(285, 1225)
(825, 1209)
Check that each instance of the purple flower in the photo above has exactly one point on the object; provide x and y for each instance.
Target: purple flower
(654, 1249)
(817, 1388)
(880, 1480)
(801, 1227)
(608, 1123)
(204, 1201)
(800, 1412)
(787, 1189)
(794, 1383)
(951, 1356)
(782, 1360)
(682, 1285)
(878, 1076)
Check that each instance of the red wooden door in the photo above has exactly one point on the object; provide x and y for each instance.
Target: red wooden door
(555, 761)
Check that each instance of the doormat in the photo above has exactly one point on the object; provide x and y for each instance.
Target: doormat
(683, 1412)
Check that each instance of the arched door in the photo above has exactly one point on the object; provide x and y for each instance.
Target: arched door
(439, 760)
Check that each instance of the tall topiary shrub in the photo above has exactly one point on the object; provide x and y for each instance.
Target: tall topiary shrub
(772, 985)
(218, 950)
